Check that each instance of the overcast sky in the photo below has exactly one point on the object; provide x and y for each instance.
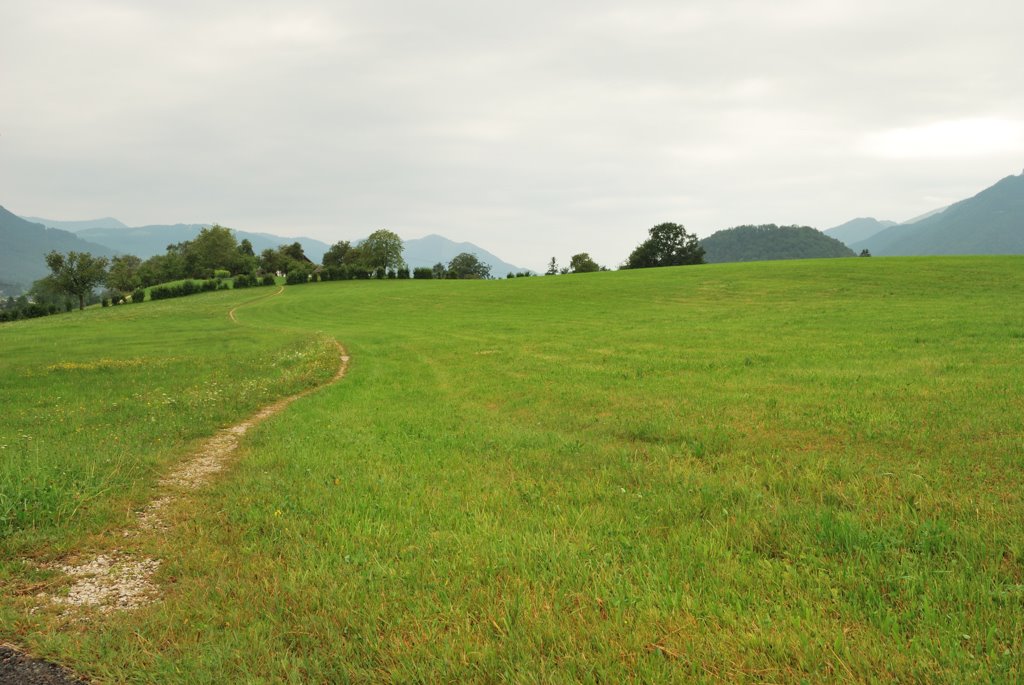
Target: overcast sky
(532, 128)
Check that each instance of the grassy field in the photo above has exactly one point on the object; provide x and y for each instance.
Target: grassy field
(767, 472)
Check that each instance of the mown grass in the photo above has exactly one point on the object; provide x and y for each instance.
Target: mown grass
(764, 472)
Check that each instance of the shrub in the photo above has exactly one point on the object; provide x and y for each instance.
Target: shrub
(268, 279)
(221, 273)
(297, 277)
(403, 273)
(138, 295)
(422, 272)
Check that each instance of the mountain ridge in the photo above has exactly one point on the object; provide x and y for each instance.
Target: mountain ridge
(990, 222)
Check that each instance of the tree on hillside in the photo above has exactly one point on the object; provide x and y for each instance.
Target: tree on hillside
(336, 254)
(124, 273)
(440, 270)
(668, 245)
(285, 259)
(295, 253)
(214, 248)
(382, 250)
(582, 263)
(466, 265)
(76, 273)
(552, 268)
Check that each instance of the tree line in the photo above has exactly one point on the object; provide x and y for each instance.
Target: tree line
(215, 254)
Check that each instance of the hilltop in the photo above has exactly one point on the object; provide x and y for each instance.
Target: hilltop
(771, 242)
(24, 245)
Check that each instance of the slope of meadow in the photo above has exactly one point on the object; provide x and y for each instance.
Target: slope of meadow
(768, 472)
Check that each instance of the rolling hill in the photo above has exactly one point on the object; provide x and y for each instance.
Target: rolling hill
(771, 242)
(23, 246)
(991, 222)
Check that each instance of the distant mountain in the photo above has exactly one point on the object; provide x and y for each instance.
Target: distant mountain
(23, 247)
(770, 242)
(991, 222)
(926, 215)
(76, 226)
(858, 229)
(431, 249)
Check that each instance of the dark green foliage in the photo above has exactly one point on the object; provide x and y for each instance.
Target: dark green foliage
(380, 273)
(15, 309)
(423, 273)
(138, 296)
(182, 289)
(268, 279)
(336, 254)
(668, 245)
(403, 273)
(865, 253)
(770, 242)
(552, 268)
(123, 275)
(466, 265)
(244, 281)
(297, 276)
(582, 263)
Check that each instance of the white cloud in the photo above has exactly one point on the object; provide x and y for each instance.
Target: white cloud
(951, 139)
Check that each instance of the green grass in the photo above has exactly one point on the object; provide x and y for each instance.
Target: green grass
(768, 472)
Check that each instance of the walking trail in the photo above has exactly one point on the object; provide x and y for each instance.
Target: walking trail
(120, 579)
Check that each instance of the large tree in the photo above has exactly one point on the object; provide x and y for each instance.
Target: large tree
(337, 253)
(382, 250)
(76, 273)
(215, 248)
(582, 263)
(668, 245)
(467, 265)
(124, 273)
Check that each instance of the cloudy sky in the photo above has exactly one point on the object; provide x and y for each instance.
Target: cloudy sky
(533, 128)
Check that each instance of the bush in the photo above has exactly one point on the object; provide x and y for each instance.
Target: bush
(221, 273)
(269, 279)
(138, 295)
(422, 272)
(403, 273)
(297, 277)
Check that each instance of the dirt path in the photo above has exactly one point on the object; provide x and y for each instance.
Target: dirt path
(121, 579)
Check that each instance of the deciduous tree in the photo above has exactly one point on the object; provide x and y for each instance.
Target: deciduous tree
(76, 273)
(668, 245)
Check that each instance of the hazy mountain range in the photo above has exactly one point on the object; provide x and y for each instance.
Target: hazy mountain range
(991, 222)
(23, 246)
